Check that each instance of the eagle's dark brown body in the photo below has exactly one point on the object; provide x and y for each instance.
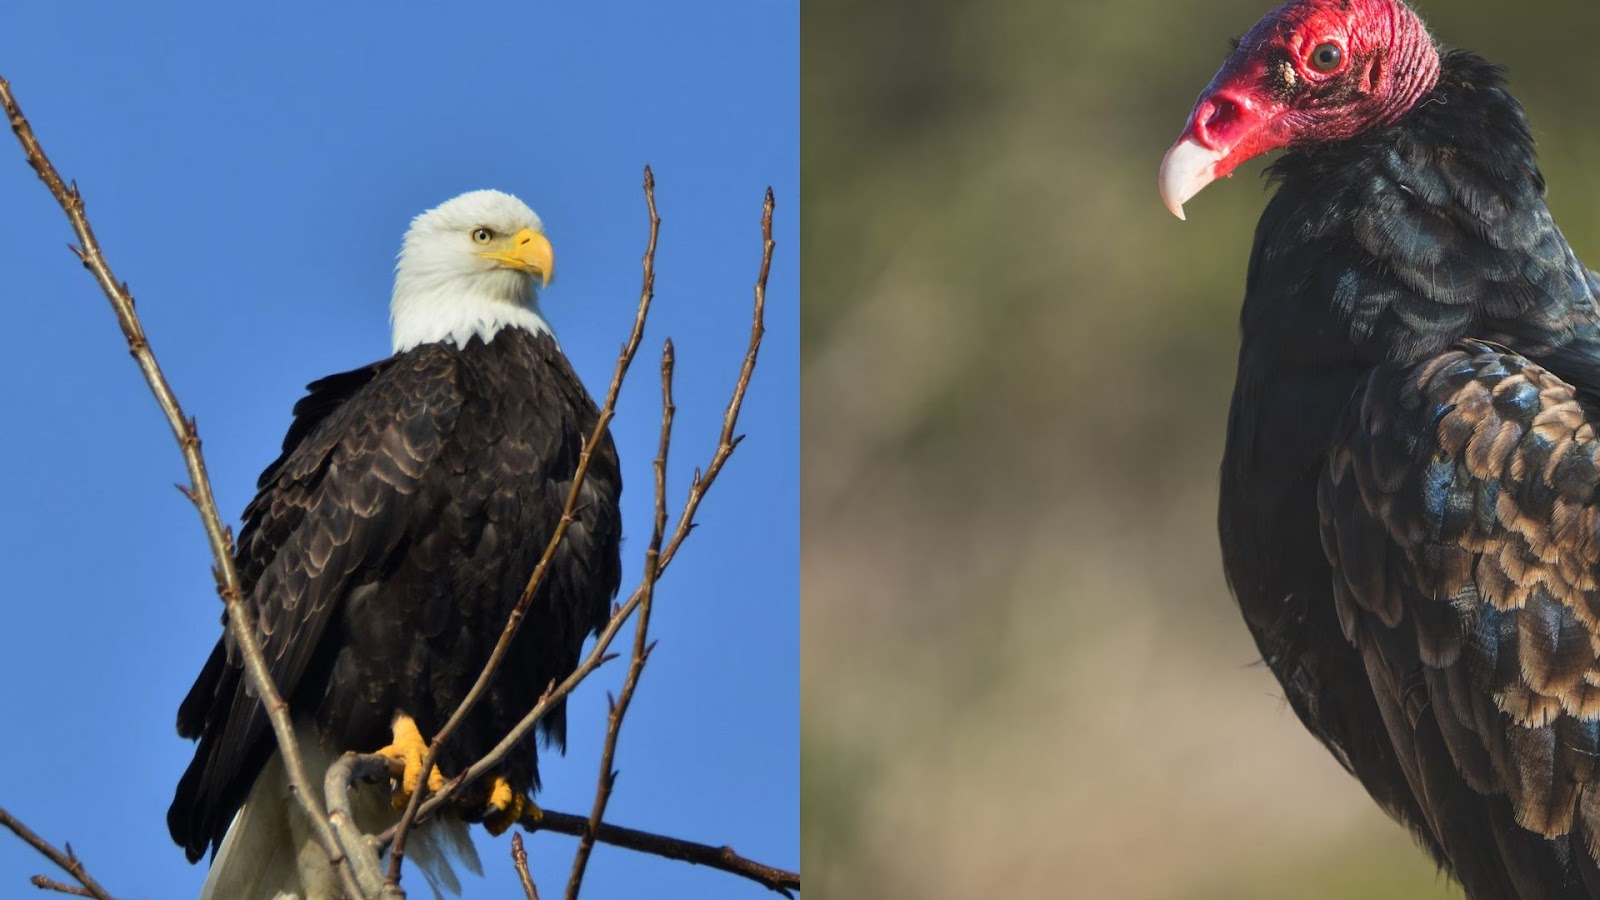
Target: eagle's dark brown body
(384, 551)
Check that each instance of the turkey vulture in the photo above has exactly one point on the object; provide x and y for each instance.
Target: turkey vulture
(1410, 491)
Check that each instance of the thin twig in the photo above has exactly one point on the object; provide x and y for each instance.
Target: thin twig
(241, 624)
(46, 883)
(697, 491)
(519, 858)
(67, 860)
(568, 513)
(722, 858)
(641, 636)
(730, 417)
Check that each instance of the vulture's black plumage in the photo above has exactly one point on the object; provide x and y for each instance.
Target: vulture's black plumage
(1410, 494)
(386, 546)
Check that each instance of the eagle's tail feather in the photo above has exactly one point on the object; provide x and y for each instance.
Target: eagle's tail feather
(259, 858)
(270, 852)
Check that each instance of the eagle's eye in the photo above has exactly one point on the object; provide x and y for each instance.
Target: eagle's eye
(481, 235)
(1326, 57)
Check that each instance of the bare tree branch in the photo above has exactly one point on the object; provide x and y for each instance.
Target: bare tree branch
(352, 766)
(722, 858)
(641, 636)
(568, 512)
(46, 883)
(519, 858)
(730, 418)
(654, 561)
(241, 624)
(68, 861)
(336, 786)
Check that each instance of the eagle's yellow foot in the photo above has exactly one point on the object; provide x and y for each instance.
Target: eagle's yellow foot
(408, 749)
(505, 808)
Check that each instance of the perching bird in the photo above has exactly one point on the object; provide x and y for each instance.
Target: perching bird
(1410, 497)
(385, 549)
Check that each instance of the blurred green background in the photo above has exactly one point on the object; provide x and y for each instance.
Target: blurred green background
(1023, 674)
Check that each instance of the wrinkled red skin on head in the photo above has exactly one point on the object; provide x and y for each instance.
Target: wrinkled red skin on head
(1269, 95)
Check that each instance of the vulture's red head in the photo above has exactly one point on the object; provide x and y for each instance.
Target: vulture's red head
(1312, 71)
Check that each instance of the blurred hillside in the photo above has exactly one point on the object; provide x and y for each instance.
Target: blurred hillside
(1023, 674)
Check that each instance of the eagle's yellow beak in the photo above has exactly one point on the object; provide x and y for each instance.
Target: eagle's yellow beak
(526, 251)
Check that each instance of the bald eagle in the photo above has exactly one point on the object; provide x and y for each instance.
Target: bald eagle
(384, 550)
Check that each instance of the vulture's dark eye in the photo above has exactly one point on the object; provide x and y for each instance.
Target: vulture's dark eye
(1326, 57)
(481, 235)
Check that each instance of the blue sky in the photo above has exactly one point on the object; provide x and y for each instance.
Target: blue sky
(250, 170)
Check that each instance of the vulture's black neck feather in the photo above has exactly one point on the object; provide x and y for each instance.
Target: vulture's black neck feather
(1401, 241)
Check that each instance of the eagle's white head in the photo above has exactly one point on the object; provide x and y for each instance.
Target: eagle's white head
(470, 266)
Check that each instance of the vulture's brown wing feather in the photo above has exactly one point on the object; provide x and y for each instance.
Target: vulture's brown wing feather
(1460, 512)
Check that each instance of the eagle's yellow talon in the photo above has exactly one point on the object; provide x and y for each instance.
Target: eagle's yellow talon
(408, 749)
(506, 807)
